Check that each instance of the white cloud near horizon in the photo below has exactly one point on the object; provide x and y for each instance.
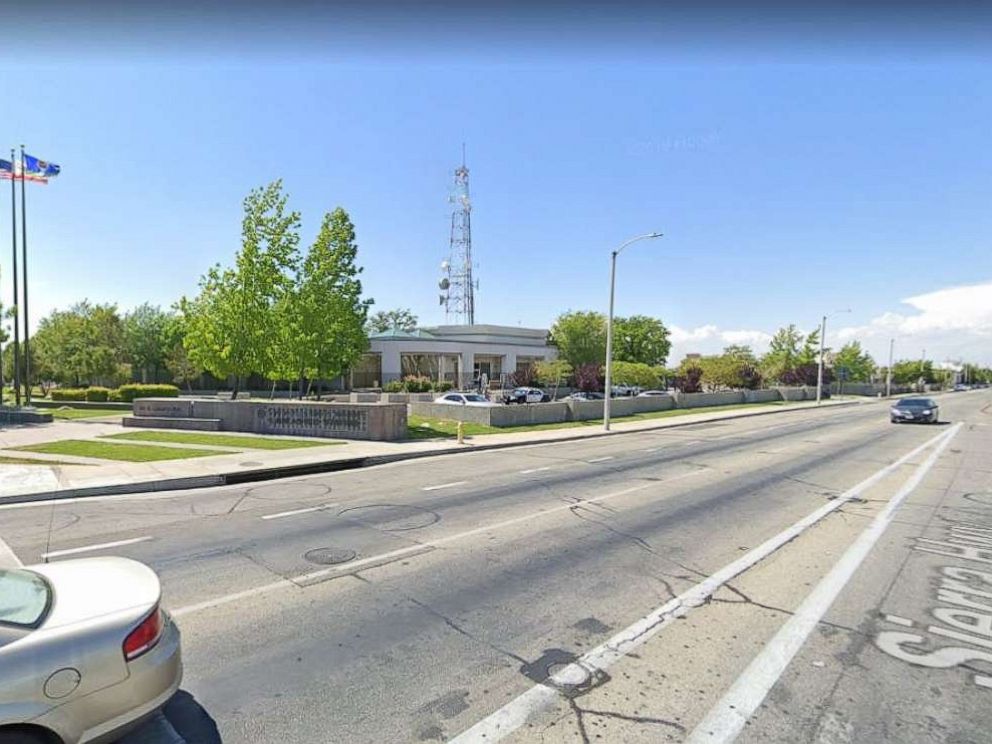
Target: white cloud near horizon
(951, 324)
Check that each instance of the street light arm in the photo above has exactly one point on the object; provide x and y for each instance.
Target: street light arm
(619, 250)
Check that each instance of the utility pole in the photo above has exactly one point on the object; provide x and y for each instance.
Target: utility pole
(923, 381)
(819, 369)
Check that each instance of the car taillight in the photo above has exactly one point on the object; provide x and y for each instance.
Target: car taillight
(143, 638)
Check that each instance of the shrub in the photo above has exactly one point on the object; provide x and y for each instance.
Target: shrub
(395, 386)
(129, 392)
(97, 394)
(524, 377)
(442, 386)
(589, 377)
(114, 396)
(690, 381)
(413, 384)
(68, 394)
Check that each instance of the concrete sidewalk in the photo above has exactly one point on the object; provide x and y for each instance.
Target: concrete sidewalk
(79, 476)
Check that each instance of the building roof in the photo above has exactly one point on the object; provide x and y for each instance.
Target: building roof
(397, 333)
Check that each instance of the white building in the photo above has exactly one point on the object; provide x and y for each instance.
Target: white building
(458, 354)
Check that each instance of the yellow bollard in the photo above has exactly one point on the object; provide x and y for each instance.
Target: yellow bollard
(461, 432)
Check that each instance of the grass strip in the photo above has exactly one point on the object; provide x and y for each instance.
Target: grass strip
(112, 451)
(220, 440)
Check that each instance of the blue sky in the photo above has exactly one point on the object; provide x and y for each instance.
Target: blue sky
(785, 187)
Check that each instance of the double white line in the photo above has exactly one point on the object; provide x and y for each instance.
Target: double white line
(725, 721)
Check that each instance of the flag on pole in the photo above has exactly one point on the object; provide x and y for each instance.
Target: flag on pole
(34, 166)
(12, 171)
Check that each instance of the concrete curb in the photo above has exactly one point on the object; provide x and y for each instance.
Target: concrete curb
(330, 466)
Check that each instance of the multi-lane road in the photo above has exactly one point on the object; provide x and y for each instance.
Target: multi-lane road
(785, 578)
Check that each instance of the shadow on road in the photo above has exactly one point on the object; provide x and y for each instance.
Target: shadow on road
(190, 720)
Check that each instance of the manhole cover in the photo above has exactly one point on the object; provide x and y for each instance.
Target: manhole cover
(391, 517)
(329, 556)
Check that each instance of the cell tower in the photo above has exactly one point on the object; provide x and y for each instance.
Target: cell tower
(457, 285)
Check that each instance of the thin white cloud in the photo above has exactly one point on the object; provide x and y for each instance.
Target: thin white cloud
(710, 339)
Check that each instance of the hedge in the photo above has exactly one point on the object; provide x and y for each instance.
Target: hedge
(68, 394)
(129, 392)
(97, 394)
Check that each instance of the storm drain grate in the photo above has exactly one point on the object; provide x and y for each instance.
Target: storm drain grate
(329, 556)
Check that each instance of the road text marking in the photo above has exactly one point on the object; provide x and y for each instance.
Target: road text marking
(101, 546)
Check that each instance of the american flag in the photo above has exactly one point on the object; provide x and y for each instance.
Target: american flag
(12, 172)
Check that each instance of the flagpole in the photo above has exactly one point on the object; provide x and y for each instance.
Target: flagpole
(13, 244)
(24, 268)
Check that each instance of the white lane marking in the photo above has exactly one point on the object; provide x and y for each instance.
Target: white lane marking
(443, 485)
(515, 713)
(8, 558)
(651, 449)
(293, 512)
(427, 545)
(101, 546)
(728, 717)
(896, 620)
(535, 470)
(600, 459)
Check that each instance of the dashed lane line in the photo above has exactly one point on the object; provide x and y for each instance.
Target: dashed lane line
(351, 567)
(91, 548)
(443, 485)
(294, 512)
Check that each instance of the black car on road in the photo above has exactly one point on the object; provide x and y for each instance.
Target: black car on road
(924, 410)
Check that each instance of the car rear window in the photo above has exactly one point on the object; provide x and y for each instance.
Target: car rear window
(24, 598)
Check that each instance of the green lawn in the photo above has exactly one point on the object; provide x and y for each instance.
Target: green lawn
(67, 414)
(419, 427)
(220, 440)
(7, 460)
(110, 451)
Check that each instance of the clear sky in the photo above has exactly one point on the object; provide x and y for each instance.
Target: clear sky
(789, 181)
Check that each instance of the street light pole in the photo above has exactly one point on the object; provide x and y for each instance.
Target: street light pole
(819, 369)
(888, 376)
(609, 325)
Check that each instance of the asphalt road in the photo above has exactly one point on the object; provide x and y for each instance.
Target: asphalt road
(776, 579)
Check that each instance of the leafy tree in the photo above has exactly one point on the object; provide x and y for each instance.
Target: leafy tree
(634, 373)
(552, 372)
(589, 377)
(81, 345)
(322, 318)
(640, 339)
(580, 338)
(783, 353)
(402, 319)
(176, 358)
(858, 363)
(689, 379)
(144, 345)
(910, 372)
(231, 328)
(810, 353)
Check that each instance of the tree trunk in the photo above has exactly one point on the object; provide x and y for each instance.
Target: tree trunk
(237, 387)
(272, 394)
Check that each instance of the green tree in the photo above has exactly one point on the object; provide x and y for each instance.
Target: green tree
(634, 373)
(81, 345)
(144, 345)
(580, 337)
(640, 339)
(552, 372)
(810, 353)
(175, 357)
(911, 371)
(783, 353)
(322, 319)
(231, 327)
(858, 363)
(401, 319)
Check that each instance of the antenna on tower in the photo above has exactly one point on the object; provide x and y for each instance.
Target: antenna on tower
(456, 283)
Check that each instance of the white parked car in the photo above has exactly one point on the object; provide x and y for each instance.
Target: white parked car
(652, 394)
(464, 399)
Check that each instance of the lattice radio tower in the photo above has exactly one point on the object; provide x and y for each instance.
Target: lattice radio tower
(457, 286)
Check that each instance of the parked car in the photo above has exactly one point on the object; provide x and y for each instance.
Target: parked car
(652, 394)
(623, 391)
(581, 395)
(464, 399)
(959, 388)
(915, 409)
(526, 395)
(86, 651)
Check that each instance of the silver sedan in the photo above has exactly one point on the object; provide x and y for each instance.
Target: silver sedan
(86, 652)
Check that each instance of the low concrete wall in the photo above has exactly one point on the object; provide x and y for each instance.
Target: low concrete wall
(379, 421)
(539, 413)
(761, 396)
(700, 400)
(469, 414)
